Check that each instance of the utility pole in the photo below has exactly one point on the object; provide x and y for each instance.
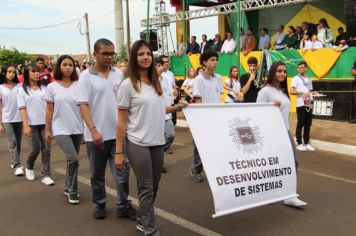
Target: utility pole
(119, 26)
(128, 28)
(87, 36)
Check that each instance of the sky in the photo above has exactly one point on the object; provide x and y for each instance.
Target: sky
(67, 39)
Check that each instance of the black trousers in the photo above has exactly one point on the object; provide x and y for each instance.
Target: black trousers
(305, 118)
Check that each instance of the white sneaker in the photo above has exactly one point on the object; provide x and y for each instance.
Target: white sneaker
(47, 181)
(309, 147)
(30, 174)
(19, 171)
(301, 148)
(294, 202)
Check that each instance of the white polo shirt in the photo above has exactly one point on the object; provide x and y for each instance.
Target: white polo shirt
(66, 119)
(10, 110)
(236, 86)
(269, 93)
(171, 82)
(208, 88)
(35, 104)
(146, 119)
(167, 90)
(301, 84)
(99, 93)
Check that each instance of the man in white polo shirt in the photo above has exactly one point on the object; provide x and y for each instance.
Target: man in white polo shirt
(302, 87)
(96, 97)
(207, 88)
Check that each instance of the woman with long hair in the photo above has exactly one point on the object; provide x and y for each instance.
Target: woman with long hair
(325, 34)
(64, 121)
(32, 105)
(10, 117)
(276, 91)
(233, 86)
(141, 125)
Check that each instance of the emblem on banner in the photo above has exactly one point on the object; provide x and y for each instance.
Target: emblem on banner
(245, 136)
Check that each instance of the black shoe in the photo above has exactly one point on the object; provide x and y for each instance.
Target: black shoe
(73, 198)
(99, 212)
(129, 212)
(139, 226)
(164, 169)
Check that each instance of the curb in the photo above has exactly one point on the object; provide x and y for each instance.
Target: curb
(318, 144)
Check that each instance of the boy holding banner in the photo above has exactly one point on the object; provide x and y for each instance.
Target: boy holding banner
(207, 88)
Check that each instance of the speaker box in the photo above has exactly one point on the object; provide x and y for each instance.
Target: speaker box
(153, 39)
(344, 107)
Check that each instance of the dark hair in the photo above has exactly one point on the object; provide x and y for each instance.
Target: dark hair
(26, 76)
(100, 42)
(194, 37)
(250, 29)
(230, 71)
(272, 77)
(252, 60)
(206, 55)
(3, 78)
(340, 28)
(134, 72)
(58, 75)
(292, 28)
(265, 30)
(159, 60)
(204, 35)
(197, 70)
(281, 26)
(40, 59)
(303, 63)
(163, 56)
(229, 32)
(324, 22)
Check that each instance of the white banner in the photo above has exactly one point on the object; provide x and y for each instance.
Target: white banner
(246, 153)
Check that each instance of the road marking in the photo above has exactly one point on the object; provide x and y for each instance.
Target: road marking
(159, 212)
(328, 176)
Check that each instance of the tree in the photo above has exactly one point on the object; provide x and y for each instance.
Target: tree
(14, 57)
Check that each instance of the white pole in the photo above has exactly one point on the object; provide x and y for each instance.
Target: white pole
(119, 26)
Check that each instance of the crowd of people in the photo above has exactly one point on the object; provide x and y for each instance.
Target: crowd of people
(126, 116)
(306, 36)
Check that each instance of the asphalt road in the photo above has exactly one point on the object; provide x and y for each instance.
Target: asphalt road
(327, 181)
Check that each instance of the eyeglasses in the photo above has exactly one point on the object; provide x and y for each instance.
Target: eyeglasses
(107, 54)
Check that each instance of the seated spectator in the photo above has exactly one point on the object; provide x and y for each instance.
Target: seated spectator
(353, 70)
(180, 46)
(309, 28)
(342, 36)
(217, 43)
(290, 40)
(250, 43)
(204, 45)
(305, 43)
(299, 32)
(265, 40)
(325, 34)
(242, 38)
(315, 43)
(193, 47)
(229, 44)
(342, 46)
(279, 38)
